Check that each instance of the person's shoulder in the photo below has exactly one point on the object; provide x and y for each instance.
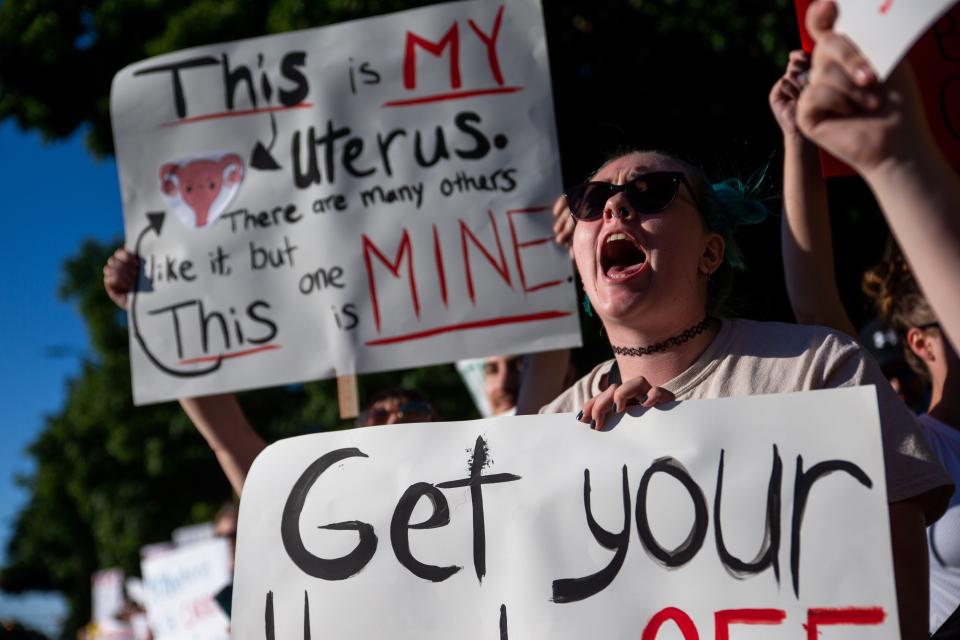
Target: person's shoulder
(580, 391)
(789, 335)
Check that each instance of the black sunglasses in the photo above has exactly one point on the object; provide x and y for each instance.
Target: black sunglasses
(647, 193)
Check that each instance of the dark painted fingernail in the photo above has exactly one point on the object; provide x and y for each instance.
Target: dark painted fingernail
(614, 408)
(643, 399)
(593, 424)
(579, 415)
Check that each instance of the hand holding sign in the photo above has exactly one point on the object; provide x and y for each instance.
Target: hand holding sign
(847, 112)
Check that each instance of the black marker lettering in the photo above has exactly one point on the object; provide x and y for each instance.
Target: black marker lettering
(476, 482)
(232, 78)
(289, 68)
(801, 491)
(689, 547)
(251, 313)
(439, 150)
(770, 547)
(178, 99)
(482, 145)
(574, 589)
(323, 568)
(400, 529)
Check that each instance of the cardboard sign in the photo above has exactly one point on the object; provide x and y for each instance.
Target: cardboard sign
(362, 197)
(767, 510)
(179, 588)
(936, 64)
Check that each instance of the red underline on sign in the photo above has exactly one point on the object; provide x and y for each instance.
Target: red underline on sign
(236, 114)
(235, 354)
(469, 326)
(453, 95)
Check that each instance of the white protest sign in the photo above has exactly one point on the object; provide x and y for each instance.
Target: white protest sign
(885, 30)
(193, 533)
(179, 588)
(538, 527)
(107, 594)
(362, 197)
(472, 374)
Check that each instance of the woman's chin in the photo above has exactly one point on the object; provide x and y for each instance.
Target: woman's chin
(622, 304)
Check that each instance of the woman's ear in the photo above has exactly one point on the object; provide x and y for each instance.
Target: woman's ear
(713, 252)
(919, 343)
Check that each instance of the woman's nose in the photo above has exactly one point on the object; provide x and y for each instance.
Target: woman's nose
(617, 206)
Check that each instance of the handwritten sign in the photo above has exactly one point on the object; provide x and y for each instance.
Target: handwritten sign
(885, 30)
(362, 197)
(768, 510)
(935, 59)
(178, 589)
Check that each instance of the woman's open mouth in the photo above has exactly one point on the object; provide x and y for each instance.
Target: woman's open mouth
(621, 257)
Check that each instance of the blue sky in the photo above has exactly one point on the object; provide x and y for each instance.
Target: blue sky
(55, 196)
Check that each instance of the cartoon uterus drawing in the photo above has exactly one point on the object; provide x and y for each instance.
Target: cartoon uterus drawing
(198, 189)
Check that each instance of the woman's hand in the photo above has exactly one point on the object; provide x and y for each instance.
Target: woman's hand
(617, 397)
(786, 92)
(563, 223)
(846, 111)
(120, 276)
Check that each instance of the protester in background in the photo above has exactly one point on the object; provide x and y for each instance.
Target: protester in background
(808, 265)
(220, 419)
(879, 129)
(805, 229)
(654, 246)
(882, 343)
(903, 307)
(397, 406)
(808, 260)
(501, 382)
(225, 525)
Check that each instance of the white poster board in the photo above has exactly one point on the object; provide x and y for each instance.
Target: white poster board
(107, 594)
(474, 379)
(885, 30)
(179, 588)
(362, 197)
(537, 527)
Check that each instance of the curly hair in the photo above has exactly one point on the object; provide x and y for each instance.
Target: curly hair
(898, 300)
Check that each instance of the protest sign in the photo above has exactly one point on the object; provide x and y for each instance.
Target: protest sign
(471, 372)
(367, 196)
(193, 533)
(935, 59)
(538, 527)
(179, 588)
(107, 594)
(885, 30)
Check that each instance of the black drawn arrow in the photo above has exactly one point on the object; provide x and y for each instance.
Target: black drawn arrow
(155, 224)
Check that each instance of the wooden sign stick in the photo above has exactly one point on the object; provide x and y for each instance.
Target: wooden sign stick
(347, 397)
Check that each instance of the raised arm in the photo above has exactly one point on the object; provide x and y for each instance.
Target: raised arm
(221, 422)
(219, 419)
(805, 236)
(880, 130)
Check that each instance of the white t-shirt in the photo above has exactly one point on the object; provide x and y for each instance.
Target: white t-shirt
(943, 536)
(753, 358)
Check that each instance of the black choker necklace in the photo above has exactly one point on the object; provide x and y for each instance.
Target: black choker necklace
(663, 345)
